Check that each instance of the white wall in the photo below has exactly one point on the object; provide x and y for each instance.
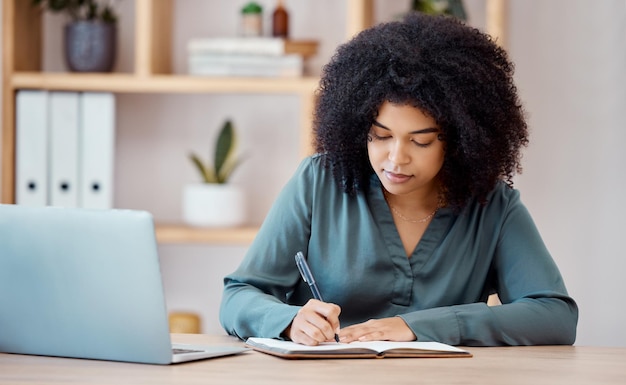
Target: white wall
(571, 71)
(571, 61)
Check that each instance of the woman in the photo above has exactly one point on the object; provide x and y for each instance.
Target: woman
(407, 215)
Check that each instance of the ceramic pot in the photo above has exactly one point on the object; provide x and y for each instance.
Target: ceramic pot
(213, 205)
(90, 46)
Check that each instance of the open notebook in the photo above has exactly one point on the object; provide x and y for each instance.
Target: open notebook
(371, 349)
(85, 284)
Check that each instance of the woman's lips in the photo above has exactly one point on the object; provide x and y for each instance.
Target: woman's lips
(396, 178)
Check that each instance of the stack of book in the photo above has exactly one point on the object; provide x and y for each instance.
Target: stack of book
(249, 56)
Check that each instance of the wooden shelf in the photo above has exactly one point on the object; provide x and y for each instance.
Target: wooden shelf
(130, 83)
(175, 233)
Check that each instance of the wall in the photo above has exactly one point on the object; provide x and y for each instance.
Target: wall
(570, 61)
(571, 71)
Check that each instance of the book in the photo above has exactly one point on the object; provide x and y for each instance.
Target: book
(290, 65)
(271, 46)
(372, 349)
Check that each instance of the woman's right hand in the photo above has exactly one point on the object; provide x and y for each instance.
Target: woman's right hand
(315, 322)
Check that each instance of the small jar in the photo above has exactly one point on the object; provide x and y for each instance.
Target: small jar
(252, 19)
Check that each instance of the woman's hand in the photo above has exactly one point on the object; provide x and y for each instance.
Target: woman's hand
(384, 329)
(316, 322)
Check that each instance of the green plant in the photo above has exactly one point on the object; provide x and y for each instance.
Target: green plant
(81, 9)
(440, 7)
(225, 158)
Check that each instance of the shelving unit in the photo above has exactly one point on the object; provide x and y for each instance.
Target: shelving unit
(22, 47)
(22, 50)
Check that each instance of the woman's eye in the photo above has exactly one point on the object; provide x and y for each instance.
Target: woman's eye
(384, 136)
(423, 145)
(378, 137)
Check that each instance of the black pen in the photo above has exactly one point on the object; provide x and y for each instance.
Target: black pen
(305, 271)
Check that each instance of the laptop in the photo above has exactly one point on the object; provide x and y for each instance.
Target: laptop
(86, 284)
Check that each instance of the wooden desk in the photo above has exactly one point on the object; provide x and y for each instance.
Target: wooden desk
(509, 365)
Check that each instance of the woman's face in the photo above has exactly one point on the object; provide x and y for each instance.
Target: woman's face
(404, 149)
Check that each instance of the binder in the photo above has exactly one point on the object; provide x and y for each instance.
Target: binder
(31, 152)
(63, 149)
(97, 149)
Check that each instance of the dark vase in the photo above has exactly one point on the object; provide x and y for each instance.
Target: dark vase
(90, 46)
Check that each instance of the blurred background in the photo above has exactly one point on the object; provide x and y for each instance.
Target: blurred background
(570, 58)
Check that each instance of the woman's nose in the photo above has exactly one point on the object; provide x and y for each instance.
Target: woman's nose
(398, 153)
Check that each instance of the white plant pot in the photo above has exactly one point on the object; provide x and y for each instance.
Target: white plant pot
(213, 205)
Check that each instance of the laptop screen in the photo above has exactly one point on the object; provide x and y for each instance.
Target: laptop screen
(81, 283)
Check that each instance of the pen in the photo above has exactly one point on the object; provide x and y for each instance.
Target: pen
(305, 271)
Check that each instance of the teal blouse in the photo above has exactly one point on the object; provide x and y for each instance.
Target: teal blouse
(357, 257)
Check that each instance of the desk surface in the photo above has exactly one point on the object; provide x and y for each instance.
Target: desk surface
(501, 365)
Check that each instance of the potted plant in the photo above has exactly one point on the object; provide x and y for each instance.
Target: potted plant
(89, 36)
(214, 201)
(440, 7)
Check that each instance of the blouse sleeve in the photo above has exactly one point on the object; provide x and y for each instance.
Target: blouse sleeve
(254, 296)
(536, 308)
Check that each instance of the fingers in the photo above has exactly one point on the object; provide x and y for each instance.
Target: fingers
(384, 329)
(315, 322)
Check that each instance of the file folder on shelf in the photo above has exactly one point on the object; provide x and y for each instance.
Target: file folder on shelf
(64, 126)
(97, 149)
(31, 148)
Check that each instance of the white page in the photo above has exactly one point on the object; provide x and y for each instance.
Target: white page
(378, 346)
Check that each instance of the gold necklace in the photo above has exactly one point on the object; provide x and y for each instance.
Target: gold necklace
(406, 219)
(421, 220)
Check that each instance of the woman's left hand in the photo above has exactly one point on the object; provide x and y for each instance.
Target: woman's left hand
(384, 329)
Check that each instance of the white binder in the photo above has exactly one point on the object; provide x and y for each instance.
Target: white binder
(31, 148)
(97, 149)
(64, 149)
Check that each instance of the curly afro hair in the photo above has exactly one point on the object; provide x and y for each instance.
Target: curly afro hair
(453, 72)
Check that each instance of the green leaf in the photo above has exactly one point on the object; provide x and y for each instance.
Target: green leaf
(228, 169)
(108, 15)
(59, 5)
(205, 172)
(225, 146)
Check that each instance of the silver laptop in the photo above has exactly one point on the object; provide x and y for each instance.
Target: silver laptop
(85, 284)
